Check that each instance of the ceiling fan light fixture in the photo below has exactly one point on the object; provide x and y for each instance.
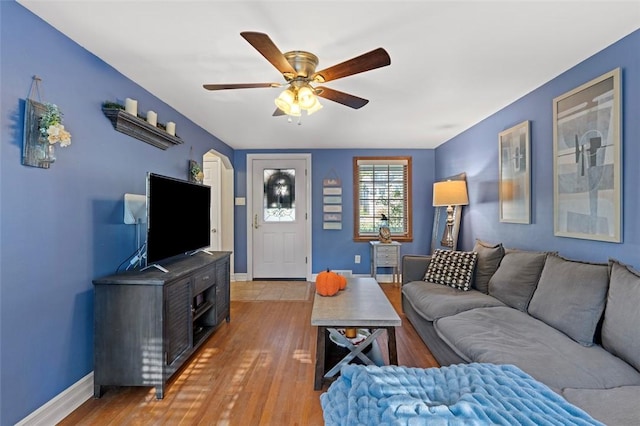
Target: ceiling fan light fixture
(298, 67)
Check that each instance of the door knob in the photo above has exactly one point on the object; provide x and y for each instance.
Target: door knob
(255, 221)
(214, 230)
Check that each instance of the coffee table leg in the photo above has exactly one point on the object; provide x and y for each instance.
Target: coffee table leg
(320, 357)
(391, 345)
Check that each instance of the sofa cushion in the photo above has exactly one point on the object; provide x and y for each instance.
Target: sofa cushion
(516, 278)
(452, 268)
(414, 266)
(570, 297)
(502, 335)
(621, 326)
(617, 406)
(432, 301)
(489, 257)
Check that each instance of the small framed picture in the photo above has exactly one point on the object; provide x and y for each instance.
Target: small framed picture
(332, 208)
(332, 191)
(332, 217)
(333, 199)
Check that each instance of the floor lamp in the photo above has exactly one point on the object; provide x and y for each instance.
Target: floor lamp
(450, 193)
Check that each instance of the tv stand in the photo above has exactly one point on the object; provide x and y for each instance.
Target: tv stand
(148, 323)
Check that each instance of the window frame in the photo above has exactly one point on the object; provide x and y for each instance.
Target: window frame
(406, 236)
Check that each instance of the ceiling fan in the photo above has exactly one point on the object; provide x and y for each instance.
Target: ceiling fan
(298, 68)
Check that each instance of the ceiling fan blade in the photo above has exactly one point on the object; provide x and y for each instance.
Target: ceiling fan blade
(278, 112)
(263, 44)
(239, 86)
(368, 61)
(341, 97)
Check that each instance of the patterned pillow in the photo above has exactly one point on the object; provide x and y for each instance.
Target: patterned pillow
(452, 268)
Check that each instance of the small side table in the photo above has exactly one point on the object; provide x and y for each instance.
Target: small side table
(385, 255)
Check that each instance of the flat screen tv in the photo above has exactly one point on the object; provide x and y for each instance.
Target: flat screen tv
(178, 217)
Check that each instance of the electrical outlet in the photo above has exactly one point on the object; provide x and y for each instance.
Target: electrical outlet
(357, 259)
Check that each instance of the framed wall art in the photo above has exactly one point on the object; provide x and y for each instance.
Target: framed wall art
(587, 152)
(514, 180)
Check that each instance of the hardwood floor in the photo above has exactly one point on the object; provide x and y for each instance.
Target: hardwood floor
(255, 370)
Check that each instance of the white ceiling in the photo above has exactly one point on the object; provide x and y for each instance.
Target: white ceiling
(453, 63)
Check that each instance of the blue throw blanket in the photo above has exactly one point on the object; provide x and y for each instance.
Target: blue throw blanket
(464, 394)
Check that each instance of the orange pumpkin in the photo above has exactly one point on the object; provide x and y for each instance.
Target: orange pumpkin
(343, 281)
(327, 283)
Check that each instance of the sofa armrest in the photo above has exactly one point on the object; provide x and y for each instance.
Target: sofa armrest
(414, 266)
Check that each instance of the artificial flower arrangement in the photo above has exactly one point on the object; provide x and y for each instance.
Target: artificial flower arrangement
(196, 172)
(51, 126)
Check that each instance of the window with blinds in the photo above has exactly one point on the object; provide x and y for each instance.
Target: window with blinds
(382, 186)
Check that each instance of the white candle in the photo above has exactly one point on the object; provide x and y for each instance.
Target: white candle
(131, 106)
(171, 128)
(152, 118)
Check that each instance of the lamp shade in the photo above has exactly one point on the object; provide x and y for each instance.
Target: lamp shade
(285, 100)
(306, 97)
(450, 193)
(315, 107)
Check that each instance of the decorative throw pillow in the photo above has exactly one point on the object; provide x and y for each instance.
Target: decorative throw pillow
(570, 297)
(489, 257)
(620, 330)
(452, 268)
(516, 278)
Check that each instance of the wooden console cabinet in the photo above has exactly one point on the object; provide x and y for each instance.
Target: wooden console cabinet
(148, 323)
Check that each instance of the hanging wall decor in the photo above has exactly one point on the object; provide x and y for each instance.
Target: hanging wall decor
(332, 202)
(43, 130)
(194, 169)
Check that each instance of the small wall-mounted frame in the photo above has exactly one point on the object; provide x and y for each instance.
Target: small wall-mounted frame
(587, 155)
(514, 180)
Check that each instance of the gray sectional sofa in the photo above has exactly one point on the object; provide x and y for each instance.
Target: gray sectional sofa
(572, 325)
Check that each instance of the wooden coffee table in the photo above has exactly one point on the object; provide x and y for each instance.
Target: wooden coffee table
(362, 304)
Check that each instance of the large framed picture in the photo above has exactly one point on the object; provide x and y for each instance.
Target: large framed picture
(514, 181)
(587, 151)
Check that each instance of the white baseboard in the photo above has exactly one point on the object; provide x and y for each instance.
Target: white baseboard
(61, 405)
(239, 277)
(381, 278)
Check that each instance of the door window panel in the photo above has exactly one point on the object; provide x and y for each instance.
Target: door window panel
(279, 195)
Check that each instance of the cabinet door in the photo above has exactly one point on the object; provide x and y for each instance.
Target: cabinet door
(222, 290)
(178, 318)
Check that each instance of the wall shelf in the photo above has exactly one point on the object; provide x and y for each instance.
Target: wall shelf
(140, 129)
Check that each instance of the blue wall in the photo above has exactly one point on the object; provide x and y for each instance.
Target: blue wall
(335, 249)
(476, 152)
(60, 228)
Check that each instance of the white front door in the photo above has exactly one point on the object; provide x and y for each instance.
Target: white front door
(279, 228)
